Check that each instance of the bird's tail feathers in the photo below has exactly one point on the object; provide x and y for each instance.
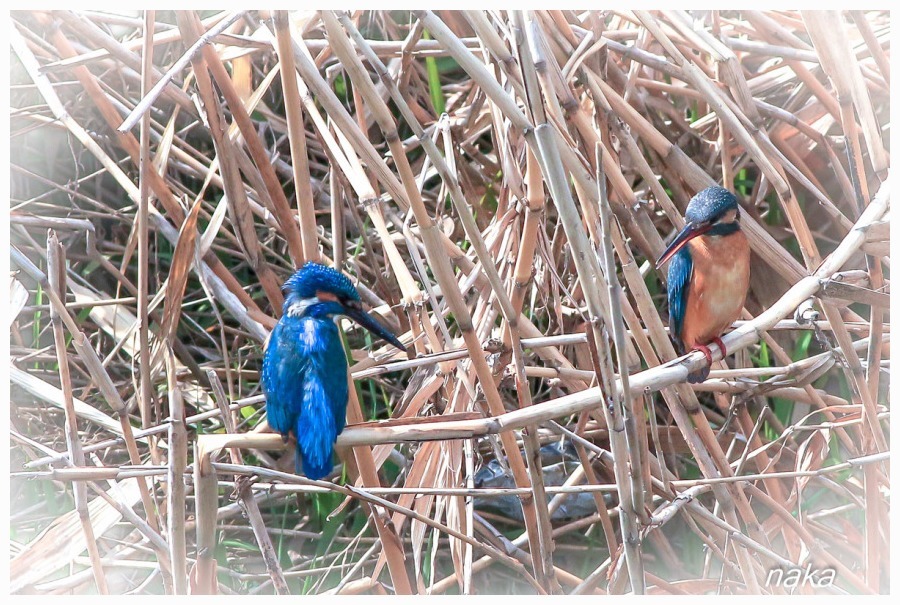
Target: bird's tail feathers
(315, 433)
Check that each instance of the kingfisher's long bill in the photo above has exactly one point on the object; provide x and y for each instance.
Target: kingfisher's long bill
(304, 374)
(709, 274)
(690, 231)
(357, 314)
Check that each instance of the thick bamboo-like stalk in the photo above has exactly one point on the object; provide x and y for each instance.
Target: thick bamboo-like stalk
(206, 496)
(828, 33)
(623, 412)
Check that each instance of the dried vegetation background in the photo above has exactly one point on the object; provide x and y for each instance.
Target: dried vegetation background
(499, 185)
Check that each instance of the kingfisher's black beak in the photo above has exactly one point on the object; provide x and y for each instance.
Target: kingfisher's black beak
(371, 324)
(690, 231)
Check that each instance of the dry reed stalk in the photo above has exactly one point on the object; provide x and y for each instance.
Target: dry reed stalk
(178, 455)
(145, 399)
(56, 269)
(297, 137)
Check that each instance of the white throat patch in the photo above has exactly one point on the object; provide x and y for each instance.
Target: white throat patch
(299, 307)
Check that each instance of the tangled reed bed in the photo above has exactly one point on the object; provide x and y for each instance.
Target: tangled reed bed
(499, 185)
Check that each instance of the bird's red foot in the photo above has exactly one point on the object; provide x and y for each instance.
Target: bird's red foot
(705, 350)
(721, 344)
(703, 373)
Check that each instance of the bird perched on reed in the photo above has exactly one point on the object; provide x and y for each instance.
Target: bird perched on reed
(304, 374)
(709, 274)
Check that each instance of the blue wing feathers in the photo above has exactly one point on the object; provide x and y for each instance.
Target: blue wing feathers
(679, 280)
(280, 385)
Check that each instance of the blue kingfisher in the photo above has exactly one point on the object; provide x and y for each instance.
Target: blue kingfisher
(304, 373)
(709, 274)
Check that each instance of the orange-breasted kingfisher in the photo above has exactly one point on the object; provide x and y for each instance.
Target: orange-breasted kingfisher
(304, 373)
(709, 274)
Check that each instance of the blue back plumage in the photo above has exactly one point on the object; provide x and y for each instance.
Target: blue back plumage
(679, 279)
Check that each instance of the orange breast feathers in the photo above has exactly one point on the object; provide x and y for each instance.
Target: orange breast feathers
(718, 287)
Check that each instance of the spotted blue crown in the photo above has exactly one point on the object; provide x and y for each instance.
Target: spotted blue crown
(709, 203)
(313, 277)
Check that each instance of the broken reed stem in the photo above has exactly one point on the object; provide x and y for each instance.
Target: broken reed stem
(178, 456)
(56, 270)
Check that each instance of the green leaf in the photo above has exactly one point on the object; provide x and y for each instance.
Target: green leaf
(434, 81)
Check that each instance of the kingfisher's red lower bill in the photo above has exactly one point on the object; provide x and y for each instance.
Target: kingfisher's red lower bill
(709, 274)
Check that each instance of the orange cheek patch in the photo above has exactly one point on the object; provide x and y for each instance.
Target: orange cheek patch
(323, 295)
